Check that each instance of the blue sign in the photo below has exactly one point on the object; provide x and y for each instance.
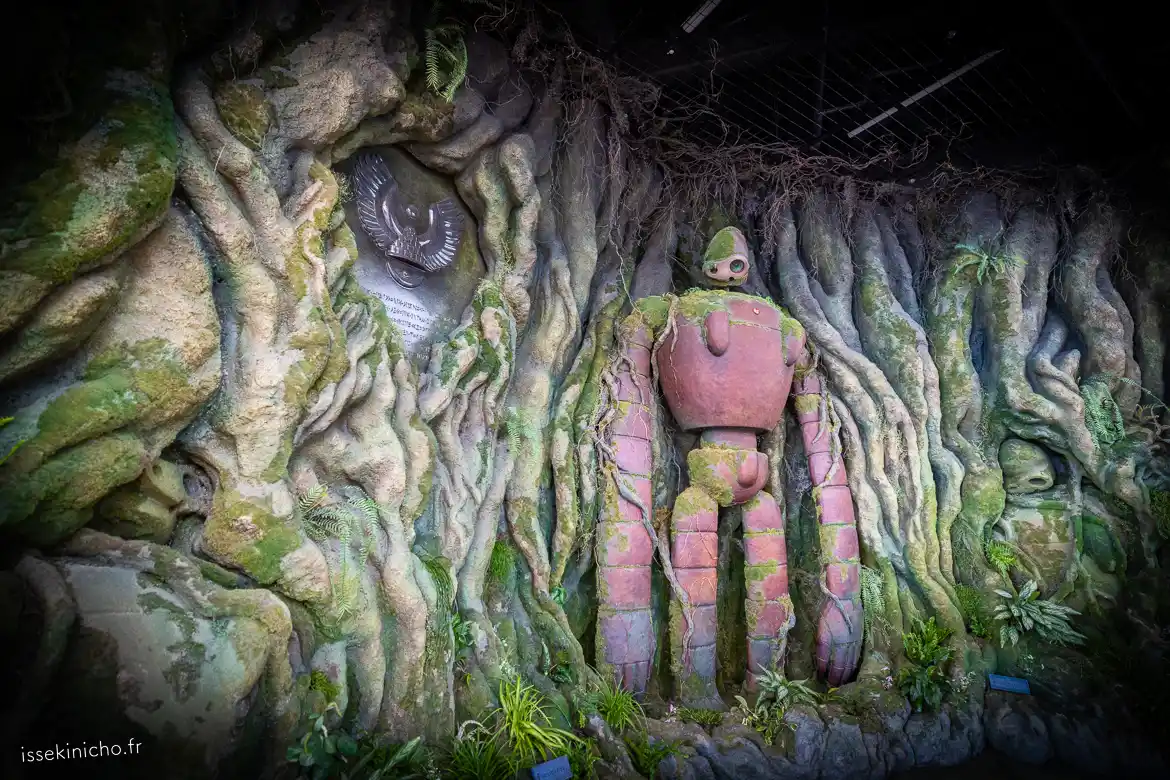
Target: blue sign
(557, 769)
(999, 682)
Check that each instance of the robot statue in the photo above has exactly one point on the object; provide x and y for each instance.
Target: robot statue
(726, 362)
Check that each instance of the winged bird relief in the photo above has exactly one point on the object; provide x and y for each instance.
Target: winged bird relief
(426, 239)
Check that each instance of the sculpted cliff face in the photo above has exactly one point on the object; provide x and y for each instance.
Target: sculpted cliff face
(235, 497)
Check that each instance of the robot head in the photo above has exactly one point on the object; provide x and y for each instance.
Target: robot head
(725, 263)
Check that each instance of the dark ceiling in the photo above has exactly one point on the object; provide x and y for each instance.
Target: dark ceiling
(1000, 83)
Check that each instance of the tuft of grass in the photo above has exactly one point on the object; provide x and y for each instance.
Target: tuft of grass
(525, 725)
(616, 706)
(477, 753)
(707, 718)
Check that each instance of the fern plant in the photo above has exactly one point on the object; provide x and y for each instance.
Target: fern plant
(872, 599)
(1102, 415)
(987, 263)
(446, 59)
(1001, 555)
(1025, 611)
(921, 679)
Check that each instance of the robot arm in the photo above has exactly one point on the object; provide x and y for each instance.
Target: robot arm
(624, 550)
(839, 629)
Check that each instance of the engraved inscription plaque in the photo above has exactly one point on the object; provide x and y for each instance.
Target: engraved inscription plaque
(432, 302)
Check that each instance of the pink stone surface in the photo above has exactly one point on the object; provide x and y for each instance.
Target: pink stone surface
(762, 514)
(818, 468)
(810, 385)
(839, 635)
(755, 312)
(769, 618)
(640, 337)
(625, 587)
(836, 502)
(699, 584)
(811, 416)
(633, 387)
(628, 636)
(632, 454)
(640, 357)
(843, 579)
(701, 520)
(769, 587)
(761, 548)
(731, 390)
(846, 546)
(630, 511)
(633, 421)
(694, 550)
(718, 327)
(625, 544)
(808, 433)
(705, 625)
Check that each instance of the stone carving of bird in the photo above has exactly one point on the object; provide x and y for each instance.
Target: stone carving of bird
(426, 238)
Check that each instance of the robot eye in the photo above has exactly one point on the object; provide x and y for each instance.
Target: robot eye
(736, 266)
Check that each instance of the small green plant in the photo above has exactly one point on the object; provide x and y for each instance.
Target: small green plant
(1025, 611)
(765, 717)
(320, 751)
(446, 57)
(11, 450)
(616, 706)
(1101, 413)
(583, 759)
(461, 629)
(784, 693)
(503, 560)
(922, 685)
(926, 643)
(921, 680)
(647, 754)
(986, 262)
(1001, 555)
(319, 681)
(974, 614)
(706, 718)
(872, 599)
(559, 596)
(477, 754)
(525, 725)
